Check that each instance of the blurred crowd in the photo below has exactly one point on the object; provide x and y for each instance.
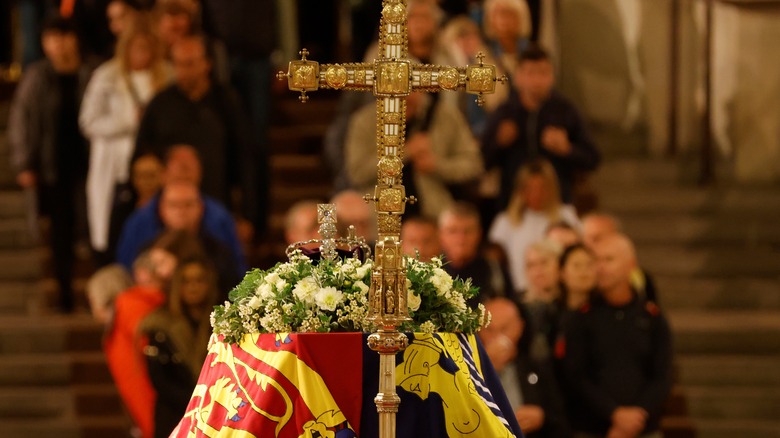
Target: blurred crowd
(143, 126)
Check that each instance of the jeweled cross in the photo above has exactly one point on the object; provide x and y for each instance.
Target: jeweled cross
(391, 77)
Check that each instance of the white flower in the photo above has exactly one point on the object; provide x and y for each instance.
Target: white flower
(328, 298)
(305, 289)
(255, 302)
(413, 300)
(361, 271)
(277, 281)
(362, 286)
(442, 281)
(427, 327)
(264, 292)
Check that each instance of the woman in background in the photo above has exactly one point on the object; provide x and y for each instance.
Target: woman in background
(110, 112)
(178, 336)
(534, 205)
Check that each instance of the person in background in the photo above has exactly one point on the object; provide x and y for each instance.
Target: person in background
(563, 234)
(152, 272)
(110, 112)
(177, 336)
(121, 14)
(440, 153)
(536, 122)
(48, 153)
(102, 289)
(577, 275)
(352, 209)
(542, 296)
(507, 26)
(208, 116)
(146, 180)
(300, 223)
(530, 384)
(420, 237)
(597, 226)
(535, 205)
(618, 353)
(460, 236)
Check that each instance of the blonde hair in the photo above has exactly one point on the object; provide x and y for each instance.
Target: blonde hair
(520, 7)
(542, 169)
(141, 27)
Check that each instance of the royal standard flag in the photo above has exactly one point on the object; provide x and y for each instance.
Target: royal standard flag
(323, 385)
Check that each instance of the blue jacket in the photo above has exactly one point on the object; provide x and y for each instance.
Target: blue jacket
(145, 224)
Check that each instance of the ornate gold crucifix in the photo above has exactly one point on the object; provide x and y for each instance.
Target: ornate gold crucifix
(391, 78)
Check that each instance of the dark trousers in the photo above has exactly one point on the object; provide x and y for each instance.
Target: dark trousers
(62, 203)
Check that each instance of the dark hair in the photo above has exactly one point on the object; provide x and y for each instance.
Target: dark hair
(568, 251)
(534, 53)
(58, 24)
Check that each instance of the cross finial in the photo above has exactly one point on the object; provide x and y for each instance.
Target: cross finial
(481, 58)
(304, 52)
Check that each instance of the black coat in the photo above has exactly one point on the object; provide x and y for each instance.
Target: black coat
(555, 112)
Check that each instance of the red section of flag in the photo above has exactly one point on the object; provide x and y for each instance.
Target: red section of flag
(278, 407)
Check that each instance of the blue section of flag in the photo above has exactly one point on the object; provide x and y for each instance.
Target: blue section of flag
(479, 383)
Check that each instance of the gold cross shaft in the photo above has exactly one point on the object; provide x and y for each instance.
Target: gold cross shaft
(391, 77)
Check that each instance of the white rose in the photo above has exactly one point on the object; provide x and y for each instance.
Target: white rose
(413, 300)
(305, 289)
(264, 292)
(361, 271)
(328, 298)
(255, 302)
(362, 286)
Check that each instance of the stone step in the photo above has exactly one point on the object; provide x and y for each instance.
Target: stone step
(733, 402)
(733, 428)
(116, 426)
(686, 200)
(54, 369)
(15, 233)
(283, 197)
(733, 228)
(624, 172)
(728, 370)
(715, 261)
(725, 332)
(34, 403)
(291, 169)
(320, 108)
(303, 139)
(22, 297)
(686, 292)
(20, 265)
(49, 334)
(12, 204)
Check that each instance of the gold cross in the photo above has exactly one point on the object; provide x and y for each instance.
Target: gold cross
(391, 77)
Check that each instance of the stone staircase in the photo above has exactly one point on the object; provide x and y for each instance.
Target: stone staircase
(53, 377)
(715, 255)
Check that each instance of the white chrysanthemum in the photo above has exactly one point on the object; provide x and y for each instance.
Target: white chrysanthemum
(305, 290)
(328, 298)
(413, 300)
(442, 281)
(436, 261)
